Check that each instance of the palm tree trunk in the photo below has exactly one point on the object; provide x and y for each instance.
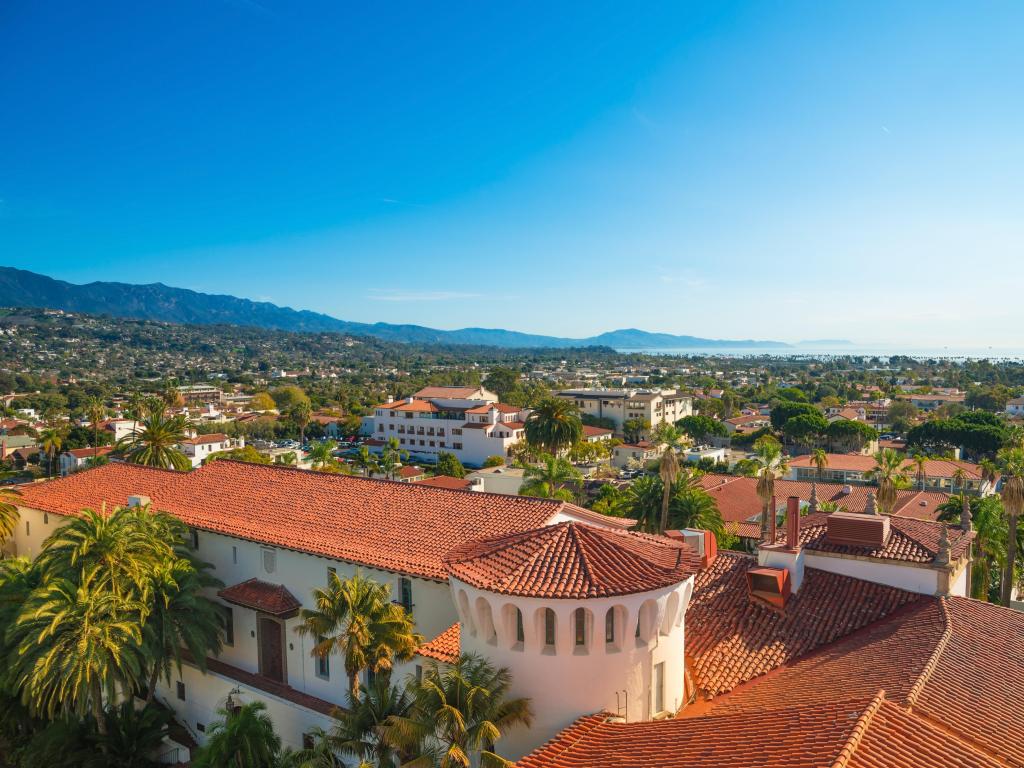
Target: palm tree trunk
(353, 683)
(1011, 559)
(97, 709)
(151, 690)
(764, 520)
(666, 494)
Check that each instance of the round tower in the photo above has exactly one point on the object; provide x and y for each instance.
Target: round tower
(585, 618)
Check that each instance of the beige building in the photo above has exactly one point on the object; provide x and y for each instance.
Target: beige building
(656, 406)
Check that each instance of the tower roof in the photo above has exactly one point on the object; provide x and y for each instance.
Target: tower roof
(572, 560)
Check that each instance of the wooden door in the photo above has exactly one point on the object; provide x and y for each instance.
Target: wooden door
(271, 649)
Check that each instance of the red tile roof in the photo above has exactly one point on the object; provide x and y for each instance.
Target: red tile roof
(730, 640)
(274, 599)
(444, 647)
(402, 527)
(589, 431)
(857, 733)
(88, 453)
(572, 560)
(216, 437)
(499, 407)
(914, 541)
(455, 393)
(855, 462)
(443, 481)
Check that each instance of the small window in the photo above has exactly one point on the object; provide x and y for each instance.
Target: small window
(405, 593)
(323, 664)
(195, 539)
(307, 741)
(659, 687)
(46, 518)
(549, 627)
(201, 727)
(581, 626)
(228, 617)
(609, 626)
(180, 690)
(419, 673)
(28, 529)
(520, 635)
(269, 560)
(234, 555)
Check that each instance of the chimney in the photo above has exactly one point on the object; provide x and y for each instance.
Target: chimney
(703, 541)
(793, 522)
(770, 586)
(787, 557)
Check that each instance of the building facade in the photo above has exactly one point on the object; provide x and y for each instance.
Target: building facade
(656, 406)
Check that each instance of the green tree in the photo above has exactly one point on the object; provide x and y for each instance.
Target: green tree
(889, 472)
(701, 427)
(50, 440)
(806, 429)
(554, 425)
(552, 478)
(96, 412)
(300, 414)
(1011, 460)
(989, 524)
(8, 512)
(460, 713)
(494, 461)
(361, 728)
(635, 429)
(242, 738)
(391, 458)
(356, 619)
(288, 396)
(154, 442)
(850, 435)
(668, 467)
(248, 454)
(322, 454)
(642, 502)
(693, 507)
(262, 401)
(366, 461)
(449, 464)
(820, 461)
(771, 463)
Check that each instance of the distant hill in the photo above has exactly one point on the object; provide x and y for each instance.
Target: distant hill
(156, 301)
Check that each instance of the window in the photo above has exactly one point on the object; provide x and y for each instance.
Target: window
(307, 741)
(228, 617)
(580, 620)
(201, 727)
(195, 539)
(549, 627)
(180, 690)
(659, 687)
(405, 593)
(269, 560)
(234, 555)
(609, 626)
(28, 529)
(46, 518)
(419, 673)
(323, 663)
(520, 635)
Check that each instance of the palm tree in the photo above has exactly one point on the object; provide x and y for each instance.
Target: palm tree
(1012, 462)
(132, 734)
(959, 478)
(642, 502)
(95, 411)
(154, 442)
(243, 738)
(459, 713)
(693, 507)
(356, 619)
(549, 479)
(989, 471)
(366, 461)
(78, 645)
(819, 458)
(668, 467)
(180, 617)
(322, 454)
(920, 462)
(770, 464)
(890, 475)
(391, 458)
(8, 512)
(321, 755)
(989, 524)
(300, 415)
(360, 731)
(554, 425)
(50, 440)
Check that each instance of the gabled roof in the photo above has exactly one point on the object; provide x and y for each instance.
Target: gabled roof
(572, 560)
(444, 647)
(856, 462)
(262, 596)
(444, 481)
(913, 541)
(401, 527)
(216, 437)
(88, 453)
(855, 733)
(454, 393)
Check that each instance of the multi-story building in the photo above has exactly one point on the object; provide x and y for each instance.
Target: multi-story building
(939, 474)
(655, 406)
(200, 394)
(468, 422)
(201, 447)
(851, 636)
(78, 458)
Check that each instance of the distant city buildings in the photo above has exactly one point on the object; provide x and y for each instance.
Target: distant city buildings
(656, 406)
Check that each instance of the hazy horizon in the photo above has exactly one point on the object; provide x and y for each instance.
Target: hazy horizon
(739, 171)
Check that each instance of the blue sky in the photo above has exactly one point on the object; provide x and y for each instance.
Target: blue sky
(733, 170)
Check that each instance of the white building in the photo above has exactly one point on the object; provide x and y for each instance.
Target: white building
(201, 447)
(1015, 407)
(78, 458)
(656, 406)
(636, 455)
(468, 422)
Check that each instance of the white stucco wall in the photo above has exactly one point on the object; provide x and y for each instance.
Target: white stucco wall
(914, 578)
(567, 681)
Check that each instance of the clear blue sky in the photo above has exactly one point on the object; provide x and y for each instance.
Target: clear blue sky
(770, 170)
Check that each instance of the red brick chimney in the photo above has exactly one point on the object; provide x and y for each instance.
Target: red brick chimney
(793, 522)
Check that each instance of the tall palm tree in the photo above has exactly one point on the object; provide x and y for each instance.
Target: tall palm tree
(300, 415)
(460, 712)
(322, 454)
(550, 479)
(693, 507)
(180, 617)
(78, 645)
(356, 619)
(989, 524)
(392, 457)
(361, 729)
(920, 462)
(771, 463)
(95, 411)
(989, 471)
(890, 475)
(1012, 462)
(959, 478)
(819, 458)
(51, 439)
(642, 502)
(242, 738)
(154, 442)
(668, 467)
(8, 512)
(554, 425)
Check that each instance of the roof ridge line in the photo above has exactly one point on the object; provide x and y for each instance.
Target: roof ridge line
(859, 729)
(933, 660)
(584, 555)
(954, 734)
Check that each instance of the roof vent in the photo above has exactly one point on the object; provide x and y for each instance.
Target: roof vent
(858, 530)
(769, 585)
(704, 542)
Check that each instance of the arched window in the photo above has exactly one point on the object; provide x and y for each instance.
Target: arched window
(580, 622)
(520, 635)
(549, 627)
(609, 626)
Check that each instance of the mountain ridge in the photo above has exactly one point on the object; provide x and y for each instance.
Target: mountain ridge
(157, 301)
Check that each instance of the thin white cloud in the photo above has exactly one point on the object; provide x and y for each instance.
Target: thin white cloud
(388, 294)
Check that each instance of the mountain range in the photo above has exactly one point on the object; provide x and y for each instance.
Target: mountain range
(156, 301)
